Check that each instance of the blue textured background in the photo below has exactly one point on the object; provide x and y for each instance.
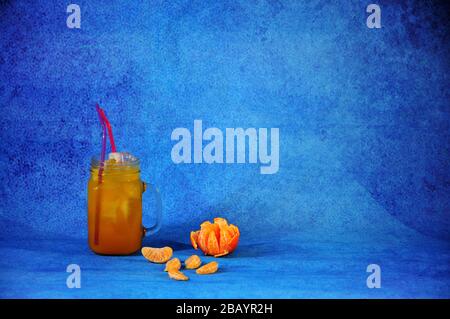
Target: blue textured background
(364, 143)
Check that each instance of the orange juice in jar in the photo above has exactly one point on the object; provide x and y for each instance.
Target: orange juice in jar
(115, 206)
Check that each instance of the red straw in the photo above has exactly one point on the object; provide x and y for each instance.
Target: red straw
(102, 155)
(110, 133)
(100, 173)
(105, 125)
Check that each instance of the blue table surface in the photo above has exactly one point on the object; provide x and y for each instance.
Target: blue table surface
(291, 266)
(364, 123)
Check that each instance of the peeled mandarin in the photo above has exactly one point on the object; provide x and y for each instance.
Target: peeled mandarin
(216, 239)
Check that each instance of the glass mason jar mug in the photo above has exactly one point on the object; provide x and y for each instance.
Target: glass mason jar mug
(115, 208)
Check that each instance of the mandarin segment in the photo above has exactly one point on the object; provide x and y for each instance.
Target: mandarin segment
(194, 238)
(224, 239)
(216, 229)
(213, 245)
(234, 229)
(173, 264)
(157, 255)
(202, 239)
(177, 275)
(209, 268)
(220, 221)
(193, 262)
(205, 224)
(232, 244)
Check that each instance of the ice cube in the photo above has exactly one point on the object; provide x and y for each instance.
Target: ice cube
(132, 190)
(121, 157)
(127, 157)
(123, 213)
(117, 156)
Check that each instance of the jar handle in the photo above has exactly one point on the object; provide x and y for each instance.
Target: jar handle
(153, 229)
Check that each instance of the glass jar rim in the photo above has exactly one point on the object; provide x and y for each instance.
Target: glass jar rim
(96, 163)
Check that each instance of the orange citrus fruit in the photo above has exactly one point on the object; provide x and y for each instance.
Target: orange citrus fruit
(157, 255)
(209, 268)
